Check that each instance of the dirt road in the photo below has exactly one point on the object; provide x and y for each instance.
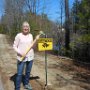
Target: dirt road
(62, 74)
(1, 85)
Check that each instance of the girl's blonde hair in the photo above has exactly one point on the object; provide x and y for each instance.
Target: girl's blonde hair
(26, 23)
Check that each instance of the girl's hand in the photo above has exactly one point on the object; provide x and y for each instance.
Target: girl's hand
(37, 37)
(21, 55)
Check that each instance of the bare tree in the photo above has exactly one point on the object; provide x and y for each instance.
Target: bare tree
(60, 31)
(67, 32)
(31, 5)
(13, 13)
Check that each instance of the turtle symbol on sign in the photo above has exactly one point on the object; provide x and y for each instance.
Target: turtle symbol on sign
(45, 45)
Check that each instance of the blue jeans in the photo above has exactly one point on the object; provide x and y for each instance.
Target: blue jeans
(20, 68)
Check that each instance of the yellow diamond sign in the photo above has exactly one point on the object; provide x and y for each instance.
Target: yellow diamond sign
(45, 44)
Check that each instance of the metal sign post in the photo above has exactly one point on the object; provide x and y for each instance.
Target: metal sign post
(46, 65)
(46, 69)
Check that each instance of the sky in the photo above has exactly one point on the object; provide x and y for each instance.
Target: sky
(1, 7)
(51, 8)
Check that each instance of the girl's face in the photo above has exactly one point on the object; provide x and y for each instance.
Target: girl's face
(25, 29)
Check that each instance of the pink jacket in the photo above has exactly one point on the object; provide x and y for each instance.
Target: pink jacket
(21, 43)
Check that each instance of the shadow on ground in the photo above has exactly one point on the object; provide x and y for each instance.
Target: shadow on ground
(13, 78)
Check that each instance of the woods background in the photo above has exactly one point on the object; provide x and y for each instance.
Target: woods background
(70, 32)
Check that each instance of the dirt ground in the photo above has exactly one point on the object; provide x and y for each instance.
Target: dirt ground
(62, 73)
